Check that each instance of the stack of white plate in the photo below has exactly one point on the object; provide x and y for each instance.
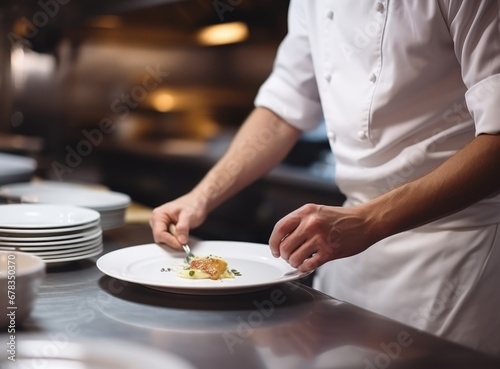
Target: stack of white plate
(111, 205)
(56, 233)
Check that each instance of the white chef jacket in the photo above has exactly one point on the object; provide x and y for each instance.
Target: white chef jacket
(401, 86)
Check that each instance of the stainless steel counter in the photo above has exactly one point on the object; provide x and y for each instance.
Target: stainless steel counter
(288, 326)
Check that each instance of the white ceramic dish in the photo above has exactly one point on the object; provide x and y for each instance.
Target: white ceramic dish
(52, 247)
(110, 225)
(93, 236)
(49, 192)
(95, 250)
(142, 264)
(97, 353)
(45, 216)
(27, 271)
(82, 256)
(72, 236)
(62, 252)
(112, 213)
(52, 256)
(40, 232)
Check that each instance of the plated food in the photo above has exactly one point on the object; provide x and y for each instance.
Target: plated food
(154, 267)
(207, 267)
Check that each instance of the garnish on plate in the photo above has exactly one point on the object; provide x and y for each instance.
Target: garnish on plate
(208, 267)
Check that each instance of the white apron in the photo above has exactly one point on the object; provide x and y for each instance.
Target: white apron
(446, 282)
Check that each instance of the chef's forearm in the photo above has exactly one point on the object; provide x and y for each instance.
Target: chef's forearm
(260, 144)
(467, 177)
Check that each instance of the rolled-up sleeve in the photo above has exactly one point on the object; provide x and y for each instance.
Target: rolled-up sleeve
(475, 29)
(291, 90)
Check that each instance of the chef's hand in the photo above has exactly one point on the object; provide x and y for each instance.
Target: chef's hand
(185, 212)
(315, 234)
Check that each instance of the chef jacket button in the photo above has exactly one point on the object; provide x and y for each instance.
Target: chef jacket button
(373, 77)
(379, 7)
(328, 78)
(330, 15)
(362, 135)
(331, 135)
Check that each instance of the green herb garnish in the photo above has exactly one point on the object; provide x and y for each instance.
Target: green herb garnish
(191, 273)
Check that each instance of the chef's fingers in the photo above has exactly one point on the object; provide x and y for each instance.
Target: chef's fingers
(159, 225)
(306, 250)
(291, 244)
(312, 263)
(281, 232)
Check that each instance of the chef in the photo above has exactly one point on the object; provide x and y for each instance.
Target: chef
(410, 94)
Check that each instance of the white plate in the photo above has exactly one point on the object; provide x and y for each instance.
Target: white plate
(89, 354)
(67, 193)
(74, 256)
(90, 237)
(110, 225)
(113, 216)
(142, 265)
(110, 213)
(44, 216)
(76, 236)
(8, 232)
(58, 248)
(82, 256)
(66, 252)
(91, 251)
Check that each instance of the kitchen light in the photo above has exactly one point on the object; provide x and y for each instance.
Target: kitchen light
(17, 67)
(222, 34)
(25, 63)
(163, 102)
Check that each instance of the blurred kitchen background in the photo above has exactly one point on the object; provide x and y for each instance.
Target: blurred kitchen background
(143, 96)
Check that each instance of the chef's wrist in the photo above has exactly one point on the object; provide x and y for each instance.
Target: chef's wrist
(203, 200)
(378, 225)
